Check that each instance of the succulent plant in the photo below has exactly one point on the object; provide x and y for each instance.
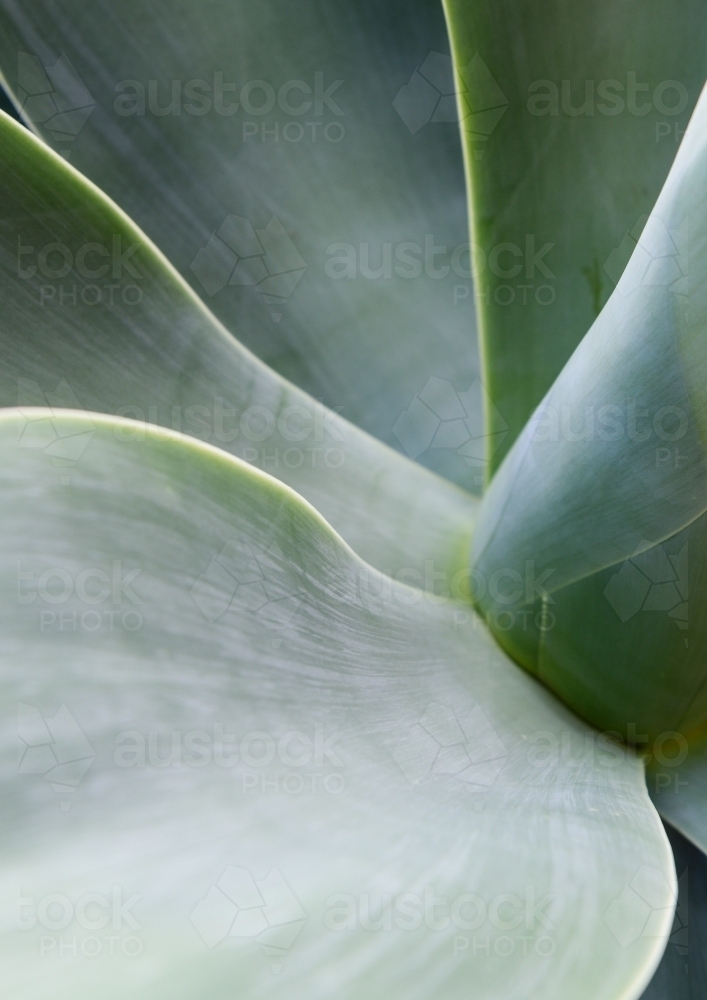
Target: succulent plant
(348, 651)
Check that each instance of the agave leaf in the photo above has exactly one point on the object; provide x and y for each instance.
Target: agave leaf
(136, 340)
(332, 161)
(570, 121)
(431, 765)
(682, 973)
(677, 781)
(595, 524)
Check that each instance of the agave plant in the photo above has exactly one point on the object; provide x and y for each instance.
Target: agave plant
(347, 663)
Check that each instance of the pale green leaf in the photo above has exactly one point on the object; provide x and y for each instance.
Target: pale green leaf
(432, 767)
(592, 541)
(571, 116)
(333, 161)
(120, 331)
